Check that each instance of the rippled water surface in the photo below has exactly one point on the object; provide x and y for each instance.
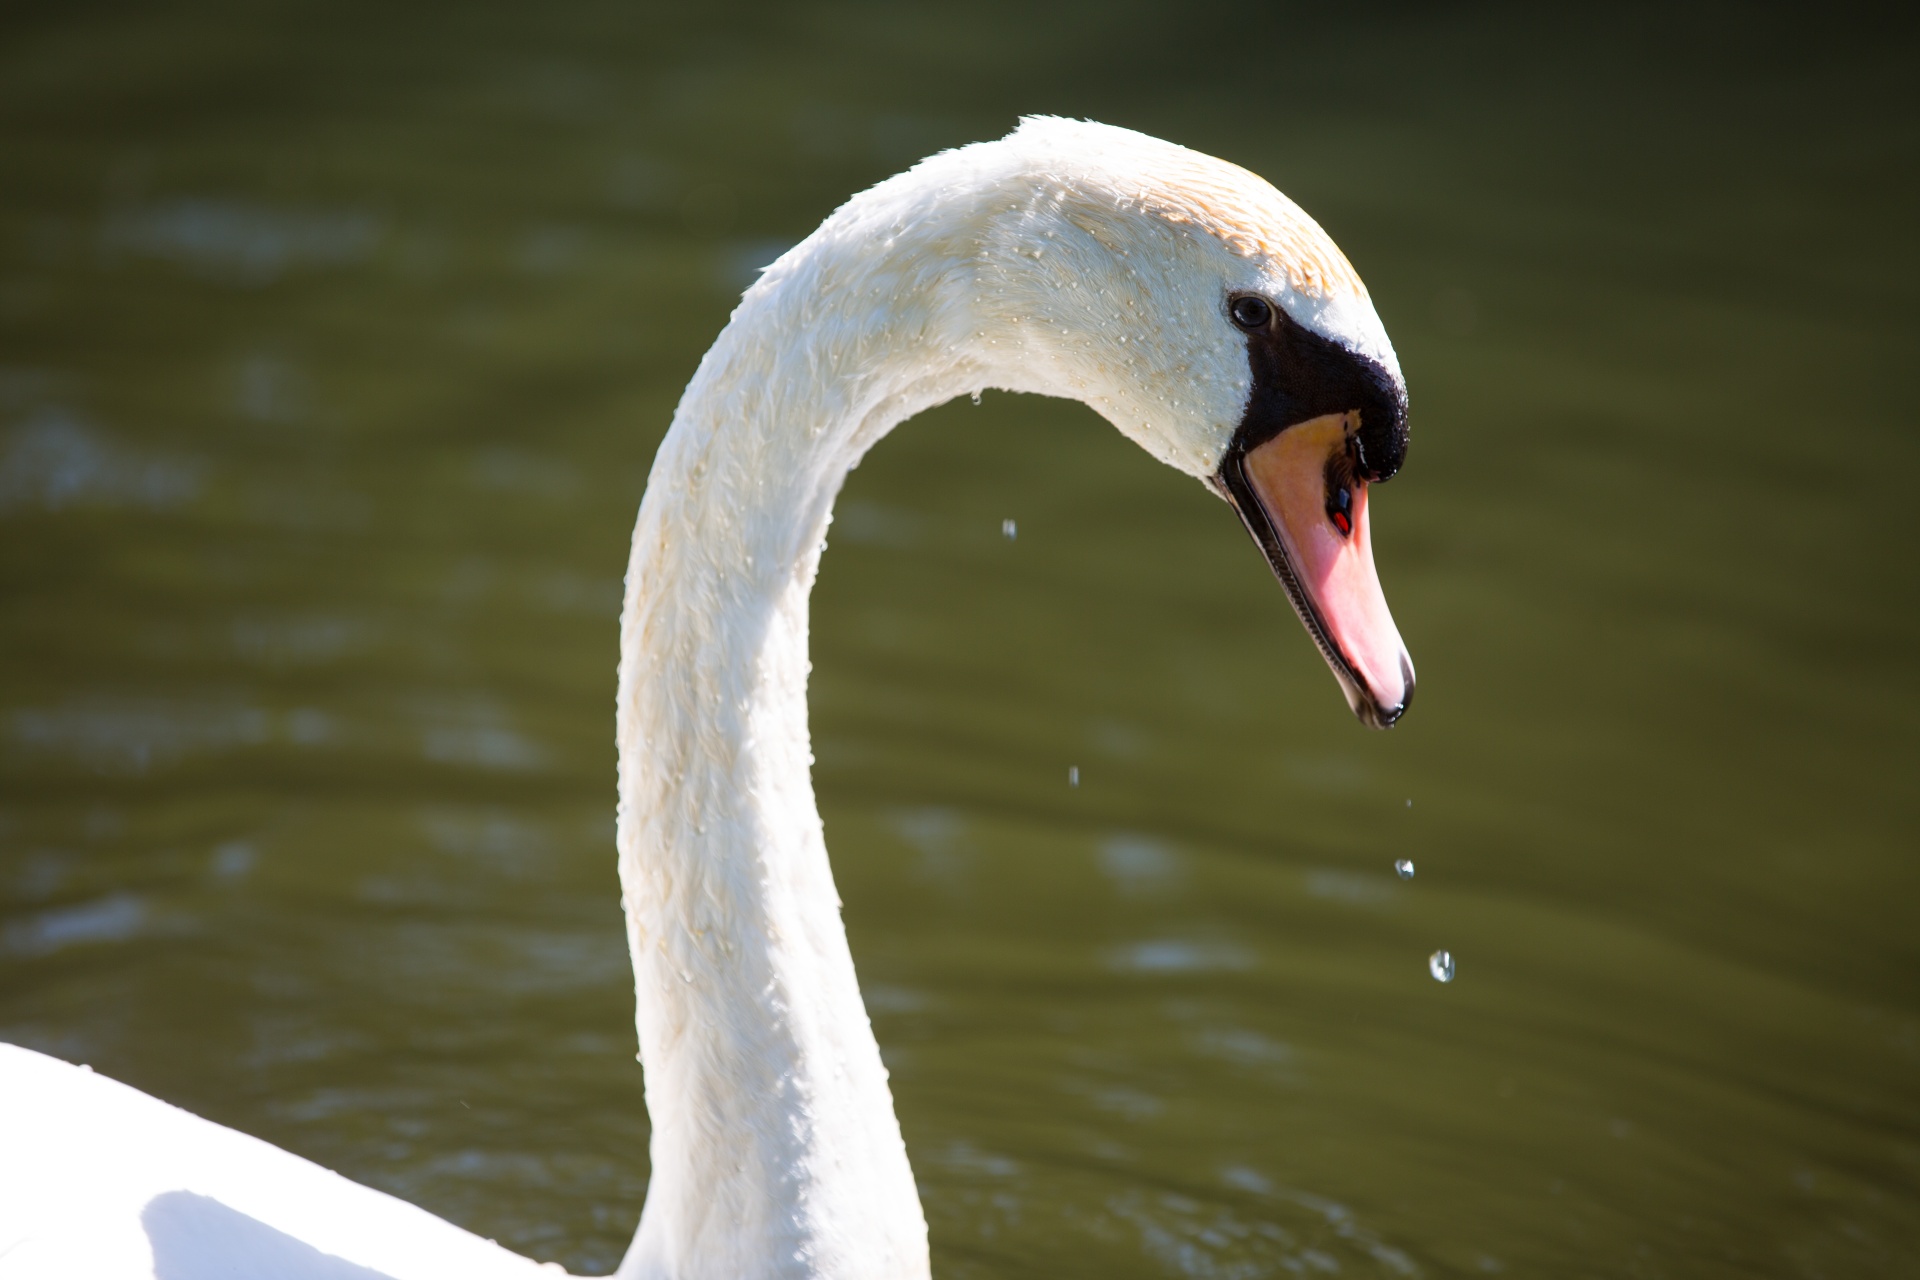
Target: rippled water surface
(335, 342)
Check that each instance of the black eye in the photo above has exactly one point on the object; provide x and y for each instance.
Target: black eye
(1250, 312)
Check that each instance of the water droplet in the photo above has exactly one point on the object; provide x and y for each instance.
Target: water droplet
(976, 397)
(1405, 867)
(1409, 804)
(1009, 530)
(1073, 775)
(1440, 965)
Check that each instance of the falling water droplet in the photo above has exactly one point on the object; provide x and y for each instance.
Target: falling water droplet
(1409, 804)
(1073, 775)
(1009, 530)
(1405, 867)
(1440, 965)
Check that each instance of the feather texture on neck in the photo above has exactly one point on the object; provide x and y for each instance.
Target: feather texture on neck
(775, 1147)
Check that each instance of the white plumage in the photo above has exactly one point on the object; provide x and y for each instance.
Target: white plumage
(1067, 259)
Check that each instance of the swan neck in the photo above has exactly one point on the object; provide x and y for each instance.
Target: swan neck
(775, 1150)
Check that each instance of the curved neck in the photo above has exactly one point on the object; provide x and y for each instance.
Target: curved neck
(775, 1150)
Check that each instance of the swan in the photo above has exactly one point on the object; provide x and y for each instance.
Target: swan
(1189, 303)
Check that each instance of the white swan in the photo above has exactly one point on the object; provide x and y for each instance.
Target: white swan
(1192, 305)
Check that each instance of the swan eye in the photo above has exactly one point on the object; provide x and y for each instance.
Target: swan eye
(1250, 312)
(1340, 509)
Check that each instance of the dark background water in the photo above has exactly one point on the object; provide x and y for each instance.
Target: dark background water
(335, 341)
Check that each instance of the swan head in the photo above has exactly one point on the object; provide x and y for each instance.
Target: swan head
(1213, 322)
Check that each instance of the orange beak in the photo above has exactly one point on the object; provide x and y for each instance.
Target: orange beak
(1301, 496)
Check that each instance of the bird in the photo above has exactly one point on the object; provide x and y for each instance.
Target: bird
(1187, 301)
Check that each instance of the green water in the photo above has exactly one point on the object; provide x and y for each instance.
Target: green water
(335, 342)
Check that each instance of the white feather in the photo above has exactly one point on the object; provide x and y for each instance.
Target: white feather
(1066, 259)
